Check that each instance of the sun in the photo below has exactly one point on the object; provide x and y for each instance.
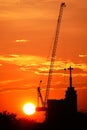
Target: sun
(29, 108)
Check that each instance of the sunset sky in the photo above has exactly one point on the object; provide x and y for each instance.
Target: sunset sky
(27, 31)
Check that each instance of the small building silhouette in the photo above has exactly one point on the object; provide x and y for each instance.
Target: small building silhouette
(64, 107)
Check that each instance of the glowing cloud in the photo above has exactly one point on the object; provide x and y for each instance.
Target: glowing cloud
(82, 55)
(21, 41)
(39, 65)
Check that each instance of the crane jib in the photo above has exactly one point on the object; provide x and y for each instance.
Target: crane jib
(54, 52)
(44, 102)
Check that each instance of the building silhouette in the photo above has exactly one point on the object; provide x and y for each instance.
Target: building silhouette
(63, 107)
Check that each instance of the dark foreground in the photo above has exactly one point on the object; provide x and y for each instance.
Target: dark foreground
(8, 121)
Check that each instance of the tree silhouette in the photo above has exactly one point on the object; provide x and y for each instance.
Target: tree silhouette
(9, 121)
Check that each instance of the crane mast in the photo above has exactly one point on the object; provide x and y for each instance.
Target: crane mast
(54, 52)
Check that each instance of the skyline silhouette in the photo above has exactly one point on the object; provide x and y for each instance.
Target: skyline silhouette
(27, 33)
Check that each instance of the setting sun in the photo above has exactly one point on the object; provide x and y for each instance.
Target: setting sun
(29, 108)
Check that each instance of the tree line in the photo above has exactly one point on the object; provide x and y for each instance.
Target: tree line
(9, 121)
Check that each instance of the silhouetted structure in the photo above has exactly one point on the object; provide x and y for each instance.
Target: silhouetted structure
(64, 107)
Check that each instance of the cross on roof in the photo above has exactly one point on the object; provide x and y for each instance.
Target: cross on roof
(70, 68)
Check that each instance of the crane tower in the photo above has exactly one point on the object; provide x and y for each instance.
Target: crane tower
(44, 105)
(54, 52)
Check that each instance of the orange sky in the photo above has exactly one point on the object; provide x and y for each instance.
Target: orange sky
(27, 31)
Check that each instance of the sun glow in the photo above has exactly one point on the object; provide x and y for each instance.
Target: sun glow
(29, 108)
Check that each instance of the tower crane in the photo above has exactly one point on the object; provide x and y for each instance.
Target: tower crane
(62, 5)
(54, 52)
